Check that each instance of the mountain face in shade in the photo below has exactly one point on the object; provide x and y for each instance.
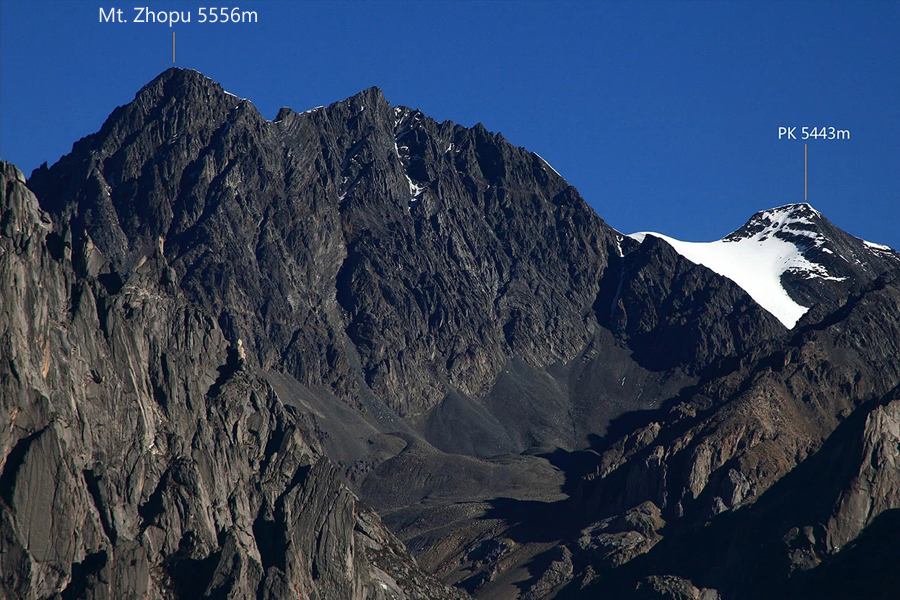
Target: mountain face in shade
(226, 338)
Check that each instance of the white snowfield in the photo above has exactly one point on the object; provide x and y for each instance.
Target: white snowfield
(756, 263)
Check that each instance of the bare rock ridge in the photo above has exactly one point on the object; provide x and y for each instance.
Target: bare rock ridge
(224, 339)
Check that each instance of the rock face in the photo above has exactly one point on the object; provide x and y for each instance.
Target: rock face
(386, 252)
(143, 459)
(218, 332)
(674, 313)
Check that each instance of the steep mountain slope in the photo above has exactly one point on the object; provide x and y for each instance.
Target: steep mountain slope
(141, 458)
(404, 265)
(359, 246)
(239, 321)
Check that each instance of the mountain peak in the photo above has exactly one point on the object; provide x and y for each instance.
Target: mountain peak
(789, 258)
(184, 74)
(372, 98)
(790, 221)
(179, 82)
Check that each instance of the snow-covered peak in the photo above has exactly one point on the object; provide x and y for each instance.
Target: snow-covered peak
(756, 256)
(792, 220)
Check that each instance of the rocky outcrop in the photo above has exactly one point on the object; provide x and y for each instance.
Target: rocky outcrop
(875, 488)
(670, 587)
(674, 313)
(766, 471)
(143, 457)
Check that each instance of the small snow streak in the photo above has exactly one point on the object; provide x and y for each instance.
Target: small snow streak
(546, 163)
(878, 247)
(415, 192)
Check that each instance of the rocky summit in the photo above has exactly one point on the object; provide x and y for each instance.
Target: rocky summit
(353, 353)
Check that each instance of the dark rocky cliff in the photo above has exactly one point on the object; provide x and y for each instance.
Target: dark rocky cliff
(358, 245)
(219, 331)
(141, 457)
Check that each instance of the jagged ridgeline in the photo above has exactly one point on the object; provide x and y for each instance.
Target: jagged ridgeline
(359, 246)
(229, 344)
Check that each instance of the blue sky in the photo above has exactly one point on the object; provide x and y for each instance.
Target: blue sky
(663, 114)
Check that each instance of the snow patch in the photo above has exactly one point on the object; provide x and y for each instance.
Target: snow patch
(414, 188)
(415, 192)
(878, 247)
(227, 93)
